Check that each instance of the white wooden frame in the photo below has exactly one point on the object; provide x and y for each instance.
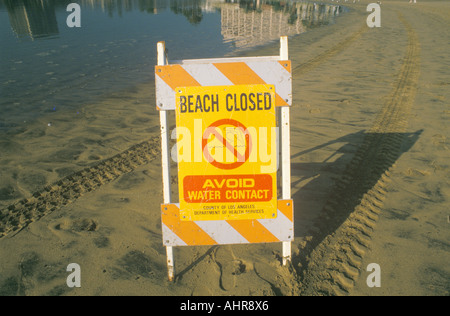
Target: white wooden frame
(285, 156)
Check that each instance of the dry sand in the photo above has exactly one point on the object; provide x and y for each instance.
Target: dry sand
(370, 179)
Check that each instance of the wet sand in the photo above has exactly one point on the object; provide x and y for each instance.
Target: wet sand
(370, 179)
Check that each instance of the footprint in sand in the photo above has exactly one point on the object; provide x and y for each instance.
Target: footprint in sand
(229, 266)
(65, 228)
(79, 225)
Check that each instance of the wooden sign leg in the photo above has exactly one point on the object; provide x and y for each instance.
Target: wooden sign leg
(165, 161)
(285, 150)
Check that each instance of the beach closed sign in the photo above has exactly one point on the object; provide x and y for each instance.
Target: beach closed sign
(226, 152)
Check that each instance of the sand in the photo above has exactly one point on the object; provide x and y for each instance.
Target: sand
(370, 179)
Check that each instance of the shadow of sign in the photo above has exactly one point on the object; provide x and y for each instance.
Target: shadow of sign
(360, 185)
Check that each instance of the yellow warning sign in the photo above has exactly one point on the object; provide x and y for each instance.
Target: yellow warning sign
(226, 152)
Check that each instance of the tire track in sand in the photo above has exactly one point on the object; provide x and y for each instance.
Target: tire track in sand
(19, 215)
(333, 259)
(319, 59)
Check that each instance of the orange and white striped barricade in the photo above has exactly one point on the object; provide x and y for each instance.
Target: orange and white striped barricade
(227, 150)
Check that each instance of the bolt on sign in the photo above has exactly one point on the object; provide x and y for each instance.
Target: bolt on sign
(226, 159)
(227, 150)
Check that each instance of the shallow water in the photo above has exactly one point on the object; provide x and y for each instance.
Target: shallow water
(46, 66)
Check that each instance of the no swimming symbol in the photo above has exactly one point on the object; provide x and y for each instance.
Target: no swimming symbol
(238, 128)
